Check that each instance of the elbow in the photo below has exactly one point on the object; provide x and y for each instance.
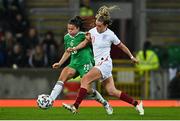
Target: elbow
(85, 44)
(121, 45)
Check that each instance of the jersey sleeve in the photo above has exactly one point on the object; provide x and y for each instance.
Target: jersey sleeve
(82, 36)
(65, 42)
(90, 30)
(115, 39)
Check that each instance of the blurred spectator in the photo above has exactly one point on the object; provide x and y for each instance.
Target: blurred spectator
(2, 51)
(19, 25)
(85, 9)
(173, 60)
(2, 42)
(9, 41)
(174, 86)
(20, 5)
(38, 58)
(148, 59)
(50, 47)
(11, 9)
(17, 58)
(30, 40)
(7, 18)
(2, 58)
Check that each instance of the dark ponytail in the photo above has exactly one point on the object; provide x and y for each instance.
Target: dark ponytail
(84, 23)
(88, 23)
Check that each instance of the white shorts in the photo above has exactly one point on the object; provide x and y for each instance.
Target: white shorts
(105, 69)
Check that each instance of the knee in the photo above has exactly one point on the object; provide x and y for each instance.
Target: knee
(111, 91)
(64, 77)
(70, 73)
(85, 81)
(89, 91)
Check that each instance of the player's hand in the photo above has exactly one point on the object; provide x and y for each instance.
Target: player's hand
(88, 36)
(134, 60)
(56, 65)
(71, 49)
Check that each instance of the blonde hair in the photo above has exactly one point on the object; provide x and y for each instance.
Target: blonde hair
(103, 13)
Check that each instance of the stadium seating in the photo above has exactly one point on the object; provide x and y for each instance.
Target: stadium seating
(163, 14)
(50, 15)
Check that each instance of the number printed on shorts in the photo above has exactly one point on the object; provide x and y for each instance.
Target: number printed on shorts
(87, 67)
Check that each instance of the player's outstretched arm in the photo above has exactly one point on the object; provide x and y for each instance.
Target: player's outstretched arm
(78, 47)
(127, 51)
(65, 56)
(82, 44)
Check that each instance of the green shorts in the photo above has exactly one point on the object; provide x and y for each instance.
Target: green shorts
(81, 69)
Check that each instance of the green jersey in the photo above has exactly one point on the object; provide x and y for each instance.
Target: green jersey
(82, 56)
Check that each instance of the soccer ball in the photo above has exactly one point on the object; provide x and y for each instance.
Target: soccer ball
(44, 101)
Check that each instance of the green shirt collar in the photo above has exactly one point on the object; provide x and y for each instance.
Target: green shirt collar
(80, 32)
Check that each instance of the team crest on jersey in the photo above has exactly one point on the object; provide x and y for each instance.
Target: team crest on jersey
(71, 44)
(104, 37)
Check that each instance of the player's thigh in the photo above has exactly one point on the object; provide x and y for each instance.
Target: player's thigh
(67, 73)
(93, 75)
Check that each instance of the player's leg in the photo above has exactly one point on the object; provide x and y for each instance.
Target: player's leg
(111, 89)
(66, 74)
(109, 86)
(94, 94)
(93, 74)
(87, 79)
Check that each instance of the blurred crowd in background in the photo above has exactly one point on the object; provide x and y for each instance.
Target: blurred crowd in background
(20, 44)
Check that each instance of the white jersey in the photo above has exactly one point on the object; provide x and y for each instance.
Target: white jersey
(101, 43)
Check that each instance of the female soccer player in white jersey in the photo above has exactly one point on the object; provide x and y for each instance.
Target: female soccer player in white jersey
(102, 38)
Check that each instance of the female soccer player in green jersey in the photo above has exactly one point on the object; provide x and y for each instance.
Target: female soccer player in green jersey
(81, 61)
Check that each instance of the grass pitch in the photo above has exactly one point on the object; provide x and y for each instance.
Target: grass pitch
(89, 113)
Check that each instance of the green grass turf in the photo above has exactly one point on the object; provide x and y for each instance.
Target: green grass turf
(93, 113)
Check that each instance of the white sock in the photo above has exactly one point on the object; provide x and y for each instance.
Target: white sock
(57, 90)
(98, 97)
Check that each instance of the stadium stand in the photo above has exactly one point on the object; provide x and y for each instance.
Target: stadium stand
(50, 15)
(163, 21)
